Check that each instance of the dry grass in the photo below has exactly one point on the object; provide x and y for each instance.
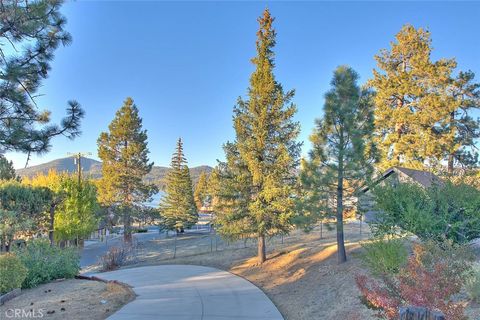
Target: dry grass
(301, 276)
(71, 299)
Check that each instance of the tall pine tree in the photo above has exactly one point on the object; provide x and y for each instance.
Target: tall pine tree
(343, 151)
(124, 154)
(465, 96)
(412, 102)
(30, 33)
(263, 158)
(177, 208)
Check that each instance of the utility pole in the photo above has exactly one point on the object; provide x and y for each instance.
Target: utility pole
(78, 161)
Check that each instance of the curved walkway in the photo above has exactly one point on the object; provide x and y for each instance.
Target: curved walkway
(181, 292)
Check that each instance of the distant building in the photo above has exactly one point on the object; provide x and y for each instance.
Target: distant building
(393, 177)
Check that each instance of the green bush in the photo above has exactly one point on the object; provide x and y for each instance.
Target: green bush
(441, 212)
(385, 257)
(472, 284)
(12, 272)
(46, 263)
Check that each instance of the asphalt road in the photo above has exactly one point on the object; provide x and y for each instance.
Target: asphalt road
(91, 253)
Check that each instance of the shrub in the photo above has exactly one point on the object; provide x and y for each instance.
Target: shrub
(116, 257)
(46, 263)
(12, 272)
(472, 284)
(440, 212)
(384, 257)
(434, 274)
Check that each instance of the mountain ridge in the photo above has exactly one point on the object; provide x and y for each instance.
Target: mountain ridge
(93, 168)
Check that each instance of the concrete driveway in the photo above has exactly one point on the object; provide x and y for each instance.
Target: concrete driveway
(181, 292)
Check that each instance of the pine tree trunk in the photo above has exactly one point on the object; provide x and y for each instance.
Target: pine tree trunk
(262, 256)
(450, 164)
(341, 254)
(127, 230)
(451, 155)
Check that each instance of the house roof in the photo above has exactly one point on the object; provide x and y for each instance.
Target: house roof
(424, 178)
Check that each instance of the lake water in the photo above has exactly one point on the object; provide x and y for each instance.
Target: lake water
(156, 199)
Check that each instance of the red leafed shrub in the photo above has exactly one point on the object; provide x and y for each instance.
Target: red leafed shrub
(379, 296)
(431, 278)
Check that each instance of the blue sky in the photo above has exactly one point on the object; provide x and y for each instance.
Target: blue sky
(185, 63)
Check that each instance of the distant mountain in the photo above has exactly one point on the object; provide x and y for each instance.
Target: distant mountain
(93, 168)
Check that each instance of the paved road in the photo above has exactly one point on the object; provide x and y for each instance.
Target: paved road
(180, 292)
(91, 253)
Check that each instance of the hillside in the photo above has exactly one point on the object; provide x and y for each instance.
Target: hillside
(93, 168)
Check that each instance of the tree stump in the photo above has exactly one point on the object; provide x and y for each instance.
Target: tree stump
(419, 313)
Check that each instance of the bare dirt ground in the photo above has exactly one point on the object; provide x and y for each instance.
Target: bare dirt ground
(301, 276)
(69, 299)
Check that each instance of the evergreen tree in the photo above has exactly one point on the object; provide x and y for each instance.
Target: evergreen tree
(201, 193)
(124, 154)
(265, 148)
(38, 27)
(343, 151)
(231, 187)
(7, 172)
(177, 208)
(412, 102)
(22, 211)
(465, 95)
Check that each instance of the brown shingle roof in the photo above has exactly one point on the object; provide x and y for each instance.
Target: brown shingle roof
(425, 178)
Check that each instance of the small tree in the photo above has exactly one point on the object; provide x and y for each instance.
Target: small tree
(22, 210)
(343, 151)
(76, 215)
(7, 171)
(177, 208)
(124, 154)
(72, 207)
(201, 190)
(53, 182)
